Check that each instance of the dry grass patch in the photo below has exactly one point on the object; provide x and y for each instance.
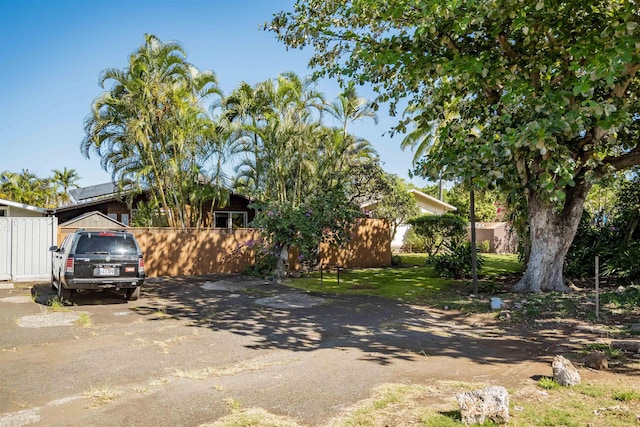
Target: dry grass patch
(101, 396)
(406, 405)
(251, 417)
(229, 370)
(596, 405)
(166, 344)
(84, 320)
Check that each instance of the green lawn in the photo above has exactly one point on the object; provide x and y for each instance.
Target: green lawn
(414, 282)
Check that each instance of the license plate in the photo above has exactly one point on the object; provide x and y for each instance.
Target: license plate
(107, 271)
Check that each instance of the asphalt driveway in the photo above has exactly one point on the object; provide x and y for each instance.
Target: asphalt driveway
(191, 348)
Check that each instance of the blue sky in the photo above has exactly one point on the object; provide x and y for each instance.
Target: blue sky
(52, 52)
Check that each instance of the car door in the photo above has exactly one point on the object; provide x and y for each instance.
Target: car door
(58, 258)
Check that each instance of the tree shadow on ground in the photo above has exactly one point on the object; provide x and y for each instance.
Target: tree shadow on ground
(381, 329)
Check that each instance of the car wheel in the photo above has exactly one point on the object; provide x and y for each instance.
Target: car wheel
(64, 294)
(133, 294)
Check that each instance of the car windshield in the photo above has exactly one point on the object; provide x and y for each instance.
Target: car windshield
(95, 243)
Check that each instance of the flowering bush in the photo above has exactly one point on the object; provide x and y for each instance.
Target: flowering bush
(326, 218)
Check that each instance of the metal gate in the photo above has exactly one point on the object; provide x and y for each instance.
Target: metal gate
(24, 248)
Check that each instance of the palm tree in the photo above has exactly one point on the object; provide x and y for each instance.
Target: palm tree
(342, 150)
(65, 179)
(26, 187)
(340, 153)
(274, 124)
(150, 128)
(423, 137)
(348, 107)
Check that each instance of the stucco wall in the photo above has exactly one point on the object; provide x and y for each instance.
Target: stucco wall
(170, 252)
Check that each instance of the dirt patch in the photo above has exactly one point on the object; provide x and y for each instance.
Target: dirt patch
(49, 320)
(290, 301)
(232, 286)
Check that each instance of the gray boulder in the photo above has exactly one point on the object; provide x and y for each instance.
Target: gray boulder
(478, 405)
(564, 373)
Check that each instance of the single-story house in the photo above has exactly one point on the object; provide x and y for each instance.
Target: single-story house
(427, 205)
(106, 199)
(9, 208)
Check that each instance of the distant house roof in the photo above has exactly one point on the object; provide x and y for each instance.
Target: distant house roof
(23, 206)
(95, 191)
(420, 196)
(85, 203)
(109, 189)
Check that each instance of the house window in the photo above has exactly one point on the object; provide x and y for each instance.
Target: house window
(230, 219)
(113, 216)
(125, 219)
(4, 212)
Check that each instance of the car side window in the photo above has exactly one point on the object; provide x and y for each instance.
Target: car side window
(65, 244)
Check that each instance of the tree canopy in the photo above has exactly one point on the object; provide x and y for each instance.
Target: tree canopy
(26, 187)
(539, 97)
(150, 128)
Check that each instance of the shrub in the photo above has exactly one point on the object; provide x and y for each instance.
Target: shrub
(396, 260)
(412, 242)
(548, 383)
(484, 246)
(624, 264)
(457, 263)
(265, 263)
(590, 241)
(439, 230)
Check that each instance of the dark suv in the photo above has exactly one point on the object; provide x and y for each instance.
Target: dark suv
(98, 260)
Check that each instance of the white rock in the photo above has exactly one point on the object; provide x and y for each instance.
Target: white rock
(478, 405)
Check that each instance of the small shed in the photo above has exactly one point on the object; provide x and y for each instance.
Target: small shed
(93, 219)
(500, 235)
(89, 220)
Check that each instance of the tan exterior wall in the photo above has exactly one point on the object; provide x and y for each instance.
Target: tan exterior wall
(501, 239)
(370, 246)
(170, 252)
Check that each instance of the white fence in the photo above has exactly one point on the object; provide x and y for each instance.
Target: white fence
(24, 248)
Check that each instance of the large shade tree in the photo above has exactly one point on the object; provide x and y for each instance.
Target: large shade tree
(539, 97)
(150, 127)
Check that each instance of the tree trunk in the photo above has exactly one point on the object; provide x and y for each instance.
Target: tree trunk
(282, 265)
(551, 233)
